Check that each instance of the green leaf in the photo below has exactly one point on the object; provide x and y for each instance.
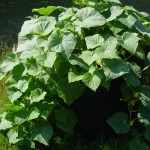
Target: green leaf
(55, 42)
(33, 114)
(42, 25)
(147, 133)
(108, 49)
(88, 57)
(74, 76)
(47, 59)
(4, 123)
(32, 67)
(92, 80)
(114, 1)
(75, 60)
(132, 79)
(18, 71)
(129, 41)
(135, 69)
(23, 84)
(14, 94)
(142, 29)
(13, 136)
(89, 17)
(68, 91)
(9, 63)
(20, 117)
(114, 12)
(127, 92)
(45, 11)
(94, 41)
(31, 50)
(140, 53)
(65, 120)
(136, 144)
(119, 122)
(128, 19)
(62, 43)
(148, 56)
(143, 115)
(68, 43)
(42, 132)
(37, 95)
(114, 68)
(116, 27)
(145, 96)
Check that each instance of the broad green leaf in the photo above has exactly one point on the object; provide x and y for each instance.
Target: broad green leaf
(94, 41)
(74, 75)
(55, 42)
(32, 67)
(62, 43)
(37, 95)
(140, 53)
(30, 49)
(14, 94)
(116, 27)
(33, 114)
(136, 144)
(92, 80)
(132, 79)
(41, 41)
(4, 123)
(108, 49)
(148, 56)
(114, 1)
(89, 17)
(11, 82)
(75, 60)
(9, 63)
(68, 43)
(47, 59)
(135, 69)
(129, 41)
(43, 25)
(13, 136)
(128, 19)
(42, 132)
(147, 133)
(67, 14)
(68, 91)
(62, 66)
(88, 57)
(127, 93)
(18, 71)
(65, 120)
(23, 84)
(145, 96)
(45, 11)
(114, 68)
(143, 115)
(142, 29)
(20, 117)
(119, 122)
(13, 108)
(114, 12)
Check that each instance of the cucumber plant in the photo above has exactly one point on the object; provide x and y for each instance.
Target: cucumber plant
(57, 57)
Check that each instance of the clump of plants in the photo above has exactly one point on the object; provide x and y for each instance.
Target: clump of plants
(57, 57)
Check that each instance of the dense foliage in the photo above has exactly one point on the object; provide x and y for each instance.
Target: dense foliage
(57, 58)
